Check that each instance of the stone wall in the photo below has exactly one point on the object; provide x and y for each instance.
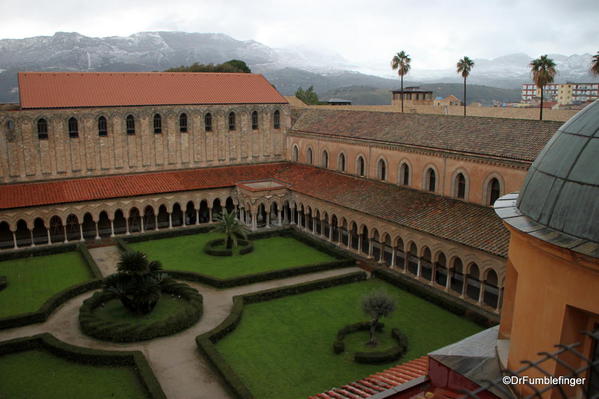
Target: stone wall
(25, 157)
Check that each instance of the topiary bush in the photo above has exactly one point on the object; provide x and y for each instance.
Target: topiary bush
(217, 247)
(3, 282)
(132, 331)
(372, 357)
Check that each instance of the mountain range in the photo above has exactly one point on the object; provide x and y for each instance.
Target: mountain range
(287, 68)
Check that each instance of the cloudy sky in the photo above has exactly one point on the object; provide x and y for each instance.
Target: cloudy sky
(436, 33)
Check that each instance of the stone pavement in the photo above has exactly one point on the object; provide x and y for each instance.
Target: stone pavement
(181, 370)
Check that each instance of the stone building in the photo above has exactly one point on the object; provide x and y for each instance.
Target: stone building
(89, 156)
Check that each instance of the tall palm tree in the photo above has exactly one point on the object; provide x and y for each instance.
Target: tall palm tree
(464, 66)
(543, 71)
(233, 229)
(401, 62)
(595, 64)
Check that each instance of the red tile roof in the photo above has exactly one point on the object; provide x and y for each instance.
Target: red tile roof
(379, 382)
(472, 225)
(105, 89)
(509, 139)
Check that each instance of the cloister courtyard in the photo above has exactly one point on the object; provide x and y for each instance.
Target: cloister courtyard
(268, 321)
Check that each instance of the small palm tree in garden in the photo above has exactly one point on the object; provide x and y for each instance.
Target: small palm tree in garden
(377, 304)
(595, 64)
(137, 282)
(543, 71)
(227, 223)
(401, 63)
(464, 66)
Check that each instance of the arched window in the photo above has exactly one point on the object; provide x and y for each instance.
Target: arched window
(130, 125)
(157, 124)
(494, 191)
(42, 129)
(183, 123)
(431, 180)
(295, 154)
(404, 174)
(277, 120)
(325, 159)
(341, 162)
(73, 128)
(10, 125)
(208, 122)
(381, 169)
(232, 121)
(460, 186)
(361, 167)
(254, 120)
(102, 127)
(309, 156)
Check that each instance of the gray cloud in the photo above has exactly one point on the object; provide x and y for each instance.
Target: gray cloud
(366, 33)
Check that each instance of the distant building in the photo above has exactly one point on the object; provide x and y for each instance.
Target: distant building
(449, 100)
(412, 96)
(338, 101)
(561, 93)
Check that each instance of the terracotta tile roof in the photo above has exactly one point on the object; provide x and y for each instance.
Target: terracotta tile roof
(472, 225)
(512, 139)
(104, 89)
(379, 382)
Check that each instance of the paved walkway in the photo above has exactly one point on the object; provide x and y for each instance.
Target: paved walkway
(180, 369)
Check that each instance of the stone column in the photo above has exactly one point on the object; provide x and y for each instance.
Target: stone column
(127, 226)
(447, 280)
(393, 257)
(197, 219)
(330, 233)
(155, 221)
(267, 220)
(359, 243)
(280, 217)
(111, 227)
(209, 215)
(50, 241)
(254, 221)
(481, 292)
(14, 240)
(499, 296)
(81, 238)
(64, 230)
(170, 220)
(32, 241)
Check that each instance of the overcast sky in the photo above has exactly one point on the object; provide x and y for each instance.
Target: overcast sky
(436, 33)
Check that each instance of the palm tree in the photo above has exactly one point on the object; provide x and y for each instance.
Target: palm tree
(543, 71)
(137, 282)
(401, 62)
(595, 64)
(377, 304)
(233, 229)
(464, 66)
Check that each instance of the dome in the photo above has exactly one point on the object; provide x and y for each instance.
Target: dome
(561, 190)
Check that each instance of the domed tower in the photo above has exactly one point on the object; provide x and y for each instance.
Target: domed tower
(552, 273)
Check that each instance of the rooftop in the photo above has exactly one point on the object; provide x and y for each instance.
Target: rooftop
(107, 89)
(509, 139)
(468, 224)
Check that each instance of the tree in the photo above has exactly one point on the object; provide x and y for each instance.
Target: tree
(231, 66)
(595, 64)
(308, 96)
(401, 62)
(233, 229)
(464, 66)
(543, 71)
(137, 282)
(377, 304)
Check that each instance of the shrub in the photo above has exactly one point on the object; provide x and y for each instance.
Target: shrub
(217, 247)
(131, 332)
(338, 346)
(3, 282)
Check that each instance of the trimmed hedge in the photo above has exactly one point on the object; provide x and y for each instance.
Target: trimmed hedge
(342, 260)
(3, 282)
(210, 247)
(439, 298)
(130, 332)
(42, 314)
(372, 357)
(134, 359)
(37, 251)
(339, 345)
(206, 342)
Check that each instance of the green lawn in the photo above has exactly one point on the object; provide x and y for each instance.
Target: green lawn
(283, 348)
(186, 253)
(167, 306)
(39, 374)
(33, 280)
